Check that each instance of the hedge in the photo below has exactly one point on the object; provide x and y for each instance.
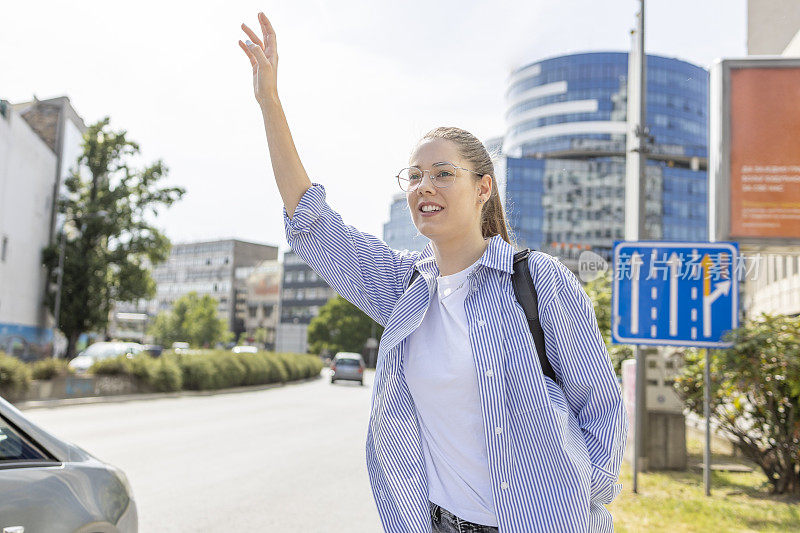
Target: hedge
(15, 375)
(211, 369)
(200, 370)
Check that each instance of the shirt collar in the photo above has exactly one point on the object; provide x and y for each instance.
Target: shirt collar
(499, 255)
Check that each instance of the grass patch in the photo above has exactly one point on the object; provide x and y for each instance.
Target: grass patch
(675, 502)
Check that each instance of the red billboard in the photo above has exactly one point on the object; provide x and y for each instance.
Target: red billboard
(764, 153)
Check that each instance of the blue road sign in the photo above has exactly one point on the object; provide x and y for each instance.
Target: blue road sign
(675, 293)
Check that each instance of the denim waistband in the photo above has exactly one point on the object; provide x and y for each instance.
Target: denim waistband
(437, 512)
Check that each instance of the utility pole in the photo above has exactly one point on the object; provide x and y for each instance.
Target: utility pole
(635, 210)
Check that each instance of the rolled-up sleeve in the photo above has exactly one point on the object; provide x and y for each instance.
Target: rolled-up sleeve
(581, 361)
(357, 265)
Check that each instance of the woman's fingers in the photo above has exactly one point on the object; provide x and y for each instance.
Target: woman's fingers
(250, 56)
(252, 36)
(258, 53)
(268, 31)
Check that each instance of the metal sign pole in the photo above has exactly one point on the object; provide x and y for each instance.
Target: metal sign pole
(635, 212)
(707, 415)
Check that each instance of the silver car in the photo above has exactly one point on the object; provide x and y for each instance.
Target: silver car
(103, 350)
(50, 485)
(347, 366)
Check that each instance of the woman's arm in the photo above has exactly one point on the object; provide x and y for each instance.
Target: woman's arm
(580, 359)
(359, 266)
(289, 173)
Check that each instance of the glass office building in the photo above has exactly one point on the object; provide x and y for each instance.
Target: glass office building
(565, 151)
(399, 232)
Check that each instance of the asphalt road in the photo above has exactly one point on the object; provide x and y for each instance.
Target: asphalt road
(290, 458)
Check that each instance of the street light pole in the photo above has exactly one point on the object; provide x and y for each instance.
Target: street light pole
(636, 213)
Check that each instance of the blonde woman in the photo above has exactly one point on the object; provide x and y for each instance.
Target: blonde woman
(466, 433)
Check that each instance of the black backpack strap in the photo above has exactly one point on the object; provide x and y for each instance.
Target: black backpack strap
(413, 277)
(525, 293)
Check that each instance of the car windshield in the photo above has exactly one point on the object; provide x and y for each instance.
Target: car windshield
(347, 362)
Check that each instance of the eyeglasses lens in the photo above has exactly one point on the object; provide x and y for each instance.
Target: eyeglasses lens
(442, 175)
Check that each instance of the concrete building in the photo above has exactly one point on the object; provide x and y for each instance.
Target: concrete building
(565, 152)
(303, 292)
(772, 284)
(40, 142)
(773, 27)
(209, 268)
(261, 286)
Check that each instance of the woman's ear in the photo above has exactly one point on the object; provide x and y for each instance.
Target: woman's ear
(486, 184)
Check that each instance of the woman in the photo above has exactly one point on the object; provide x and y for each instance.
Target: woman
(465, 432)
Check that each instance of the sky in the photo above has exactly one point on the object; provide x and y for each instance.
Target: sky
(360, 83)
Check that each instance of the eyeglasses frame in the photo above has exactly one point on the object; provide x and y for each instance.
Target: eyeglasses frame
(429, 173)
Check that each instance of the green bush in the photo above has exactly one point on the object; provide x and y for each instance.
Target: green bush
(117, 366)
(230, 370)
(198, 372)
(258, 369)
(755, 391)
(167, 376)
(291, 371)
(142, 367)
(15, 375)
(210, 369)
(50, 368)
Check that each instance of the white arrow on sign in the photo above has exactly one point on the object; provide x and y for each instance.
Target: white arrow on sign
(674, 269)
(723, 287)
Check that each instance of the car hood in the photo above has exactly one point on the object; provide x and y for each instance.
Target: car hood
(82, 362)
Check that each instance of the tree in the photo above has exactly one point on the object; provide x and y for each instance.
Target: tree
(107, 257)
(260, 337)
(755, 394)
(340, 327)
(193, 319)
(599, 291)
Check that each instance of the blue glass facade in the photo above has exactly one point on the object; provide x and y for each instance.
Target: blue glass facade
(565, 142)
(400, 232)
(524, 199)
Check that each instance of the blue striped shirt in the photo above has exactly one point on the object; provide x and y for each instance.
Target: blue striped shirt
(556, 463)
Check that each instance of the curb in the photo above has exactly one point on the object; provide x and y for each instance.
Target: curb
(41, 404)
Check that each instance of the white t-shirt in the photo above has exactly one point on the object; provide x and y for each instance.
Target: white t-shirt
(440, 372)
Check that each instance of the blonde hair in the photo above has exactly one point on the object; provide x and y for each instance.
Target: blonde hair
(472, 150)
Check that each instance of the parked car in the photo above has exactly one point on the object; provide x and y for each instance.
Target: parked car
(47, 484)
(155, 350)
(180, 347)
(347, 366)
(103, 350)
(244, 349)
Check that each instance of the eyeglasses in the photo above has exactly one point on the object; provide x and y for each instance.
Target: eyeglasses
(442, 175)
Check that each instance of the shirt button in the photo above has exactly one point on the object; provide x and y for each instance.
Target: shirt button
(498, 430)
(481, 323)
(489, 373)
(504, 485)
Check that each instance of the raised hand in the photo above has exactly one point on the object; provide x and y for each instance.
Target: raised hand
(263, 57)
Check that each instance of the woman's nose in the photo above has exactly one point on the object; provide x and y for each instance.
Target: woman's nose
(426, 186)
